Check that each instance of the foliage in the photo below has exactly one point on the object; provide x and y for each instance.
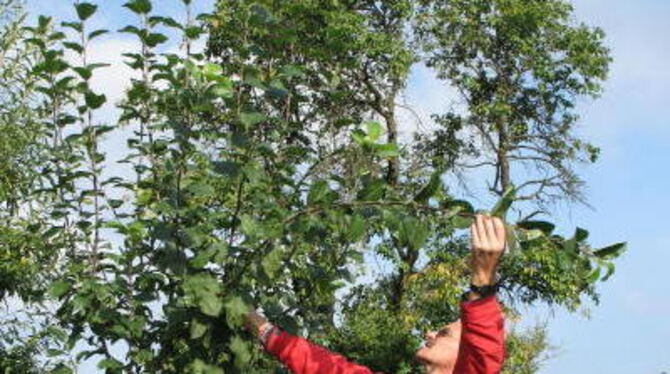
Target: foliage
(531, 349)
(263, 171)
(520, 66)
(30, 342)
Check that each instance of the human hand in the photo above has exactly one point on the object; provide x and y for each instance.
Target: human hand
(255, 321)
(488, 244)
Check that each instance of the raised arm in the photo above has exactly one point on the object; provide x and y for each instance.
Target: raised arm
(300, 355)
(482, 346)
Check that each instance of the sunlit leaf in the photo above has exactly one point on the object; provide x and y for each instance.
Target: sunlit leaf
(612, 251)
(505, 202)
(250, 119)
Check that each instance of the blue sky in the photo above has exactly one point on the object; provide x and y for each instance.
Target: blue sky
(629, 331)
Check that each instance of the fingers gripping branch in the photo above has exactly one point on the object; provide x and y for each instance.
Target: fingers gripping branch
(488, 244)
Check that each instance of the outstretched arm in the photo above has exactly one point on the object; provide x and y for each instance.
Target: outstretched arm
(482, 346)
(300, 355)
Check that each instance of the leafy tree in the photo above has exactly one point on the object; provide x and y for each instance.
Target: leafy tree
(520, 67)
(29, 340)
(263, 170)
(13, 146)
(531, 349)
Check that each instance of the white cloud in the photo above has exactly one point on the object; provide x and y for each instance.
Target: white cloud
(115, 79)
(425, 95)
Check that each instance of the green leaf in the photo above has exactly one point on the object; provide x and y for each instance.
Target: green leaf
(212, 71)
(97, 66)
(612, 251)
(210, 306)
(373, 190)
(167, 21)
(248, 225)
(74, 46)
(355, 228)
(241, 350)
(204, 290)
(272, 262)
(200, 367)
(84, 73)
(110, 364)
(227, 168)
(581, 234)
(430, 189)
(220, 252)
(43, 22)
(223, 89)
(93, 100)
(97, 33)
(85, 10)
(61, 369)
(252, 78)
(59, 288)
(235, 309)
(459, 206)
(201, 189)
(461, 212)
(570, 245)
(277, 89)
(202, 258)
(610, 271)
(139, 6)
(413, 233)
(374, 131)
(359, 137)
(533, 234)
(76, 26)
(320, 192)
(55, 65)
(193, 32)
(290, 71)
(251, 119)
(54, 352)
(505, 202)
(197, 329)
(154, 39)
(546, 227)
(594, 275)
(136, 325)
(460, 222)
(388, 150)
(130, 29)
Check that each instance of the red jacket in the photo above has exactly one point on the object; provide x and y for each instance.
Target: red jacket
(481, 349)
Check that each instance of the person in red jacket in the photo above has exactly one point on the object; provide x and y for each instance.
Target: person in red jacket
(472, 345)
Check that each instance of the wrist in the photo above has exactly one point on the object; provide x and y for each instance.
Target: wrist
(486, 278)
(479, 292)
(262, 327)
(264, 332)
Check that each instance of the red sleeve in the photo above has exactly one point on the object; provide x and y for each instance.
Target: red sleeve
(304, 357)
(482, 348)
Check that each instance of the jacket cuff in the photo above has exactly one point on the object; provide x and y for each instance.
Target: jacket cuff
(276, 341)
